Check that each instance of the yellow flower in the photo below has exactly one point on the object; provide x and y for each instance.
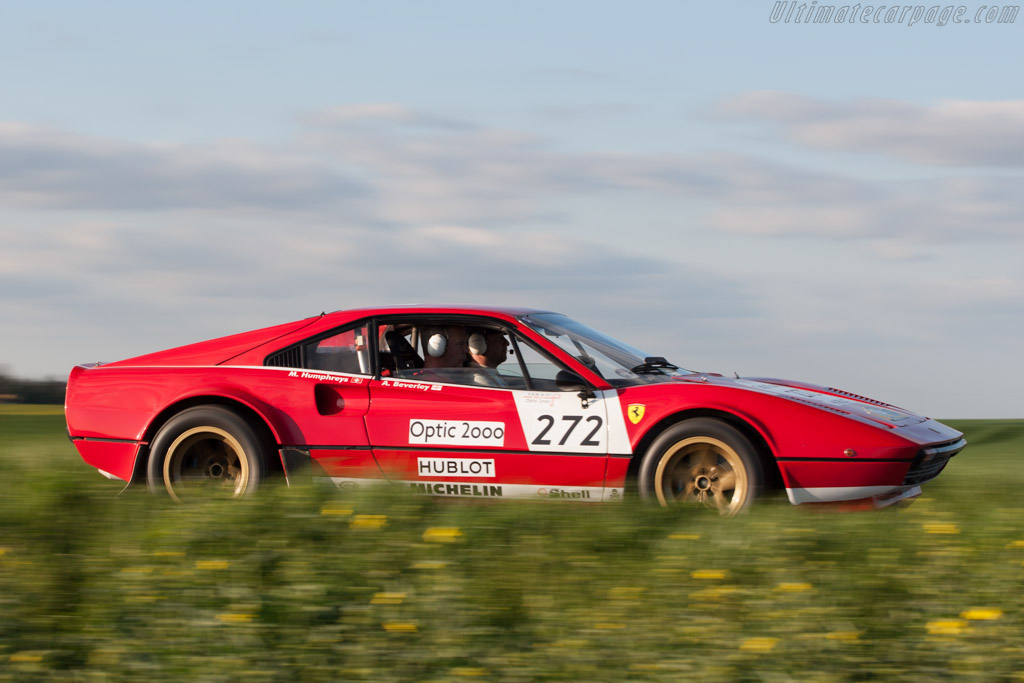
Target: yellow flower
(339, 512)
(982, 614)
(429, 564)
(570, 644)
(709, 574)
(387, 599)
(759, 644)
(626, 592)
(25, 658)
(369, 522)
(229, 618)
(793, 587)
(212, 565)
(400, 628)
(713, 593)
(442, 534)
(941, 528)
(684, 537)
(946, 627)
(843, 635)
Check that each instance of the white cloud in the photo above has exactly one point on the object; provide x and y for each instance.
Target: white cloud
(459, 236)
(384, 174)
(42, 168)
(897, 218)
(952, 132)
(377, 113)
(141, 246)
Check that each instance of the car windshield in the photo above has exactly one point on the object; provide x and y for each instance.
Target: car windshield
(618, 363)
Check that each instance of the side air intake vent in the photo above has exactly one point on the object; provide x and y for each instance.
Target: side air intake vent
(289, 358)
(857, 397)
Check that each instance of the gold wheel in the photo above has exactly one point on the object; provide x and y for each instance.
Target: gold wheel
(702, 470)
(205, 460)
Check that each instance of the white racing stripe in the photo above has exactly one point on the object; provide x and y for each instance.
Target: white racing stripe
(583, 494)
(831, 494)
(618, 439)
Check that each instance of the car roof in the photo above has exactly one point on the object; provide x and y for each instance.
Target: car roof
(240, 346)
(437, 309)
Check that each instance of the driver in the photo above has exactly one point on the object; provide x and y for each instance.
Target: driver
(487, 348)
(445, 347)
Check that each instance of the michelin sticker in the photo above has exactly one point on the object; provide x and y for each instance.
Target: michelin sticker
(456, 433)
(458, 490)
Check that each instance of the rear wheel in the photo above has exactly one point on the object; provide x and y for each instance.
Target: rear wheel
(701, 462)
(206, 452)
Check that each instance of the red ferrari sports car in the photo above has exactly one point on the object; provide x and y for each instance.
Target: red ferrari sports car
(485, 402)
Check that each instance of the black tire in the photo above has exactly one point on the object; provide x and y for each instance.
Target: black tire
(206, 452)
(702, 461)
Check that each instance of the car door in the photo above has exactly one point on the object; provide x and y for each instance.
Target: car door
(441, 433)
(323, 387)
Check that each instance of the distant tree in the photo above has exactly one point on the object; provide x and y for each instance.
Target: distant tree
(14, 390)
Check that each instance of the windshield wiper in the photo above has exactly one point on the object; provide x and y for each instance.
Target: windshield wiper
(653, 365)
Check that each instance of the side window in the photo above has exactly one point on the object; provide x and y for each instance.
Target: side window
(460, 352)
(540, 369)
(430, 350)
(344, 351)
(397, 350)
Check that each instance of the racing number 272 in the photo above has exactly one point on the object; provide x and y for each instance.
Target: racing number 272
(573, 420)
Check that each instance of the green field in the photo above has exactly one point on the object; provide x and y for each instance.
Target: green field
(313, 585)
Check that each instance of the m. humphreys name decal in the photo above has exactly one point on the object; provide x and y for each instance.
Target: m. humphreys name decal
(321, 377)
(456, 433)
(454, 467)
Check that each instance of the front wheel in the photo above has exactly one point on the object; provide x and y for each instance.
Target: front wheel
(205, 452)
(701, 462)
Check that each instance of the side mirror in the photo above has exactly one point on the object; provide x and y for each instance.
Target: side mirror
(566, 380)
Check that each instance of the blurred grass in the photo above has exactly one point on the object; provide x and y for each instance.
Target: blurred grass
(313, 585)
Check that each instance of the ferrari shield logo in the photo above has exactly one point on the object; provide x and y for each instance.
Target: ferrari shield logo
(636, 412)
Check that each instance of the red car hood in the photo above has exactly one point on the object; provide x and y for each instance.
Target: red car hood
(825, 398)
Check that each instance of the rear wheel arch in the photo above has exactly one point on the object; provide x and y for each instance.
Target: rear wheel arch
(258, 422)
(769, 466)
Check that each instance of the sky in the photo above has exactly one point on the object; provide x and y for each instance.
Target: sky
(834, 201)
